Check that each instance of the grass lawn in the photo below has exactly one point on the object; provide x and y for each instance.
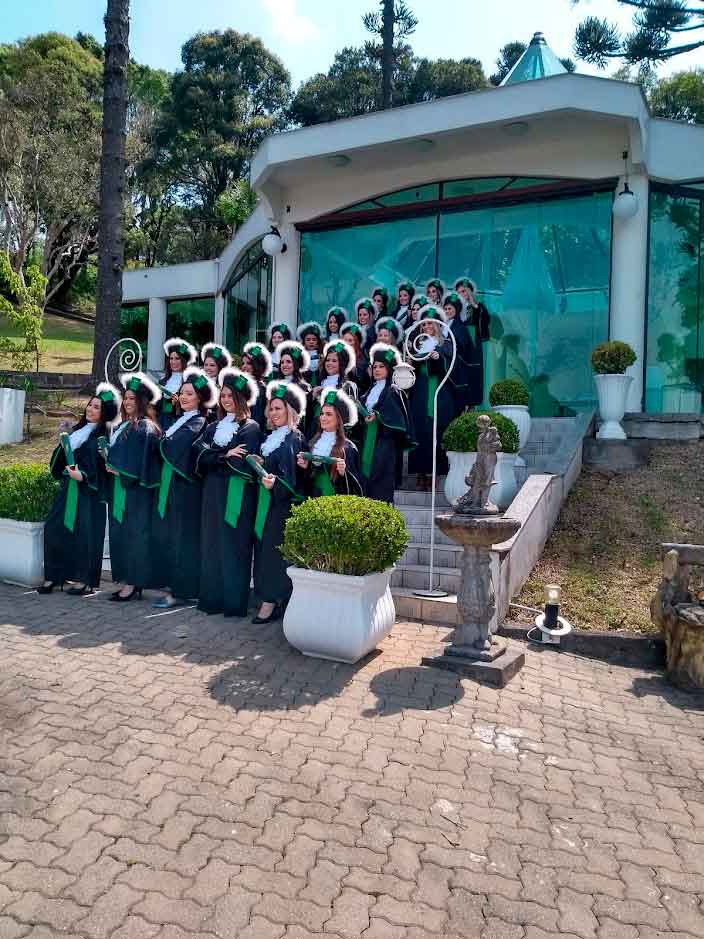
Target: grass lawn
(44, 433)
(604, 551)
(67, 346)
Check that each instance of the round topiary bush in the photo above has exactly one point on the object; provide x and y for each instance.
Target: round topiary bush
(26, 492)
(612, 358)
(461, 434)
(345, 535)
(507, 392)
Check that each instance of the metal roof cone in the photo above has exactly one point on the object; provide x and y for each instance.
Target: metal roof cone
(538, 61)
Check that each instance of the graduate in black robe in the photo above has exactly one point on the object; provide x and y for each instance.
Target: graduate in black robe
(278, 492)
(387, 427)
(177, 509)
(178, 354)
(278, 333)
(366, 314)
(213, 359)
(355, 336)
(477, 320)
(337, 363)
(380, 299)
(256, 361)
(134, 467)
(294, 367)
(404, 299)
(310, 335)
(389, 331)
(334, 319)
(338, 411)
(229, 499)
(429, 374)
(435, 290)
(74, 531)
(465, 371)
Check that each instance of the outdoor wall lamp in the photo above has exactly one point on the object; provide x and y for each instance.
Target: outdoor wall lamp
(273, 243)
(626, 202)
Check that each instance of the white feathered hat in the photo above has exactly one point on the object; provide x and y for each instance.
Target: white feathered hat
(297, 353)
(257, 350)
(343, 404)
(108, 393)
(141, 384)
(345, 354)
(204, 386)
(289, 393)
(176, 344)
(221, 354)
(241, 382)
(386, 354)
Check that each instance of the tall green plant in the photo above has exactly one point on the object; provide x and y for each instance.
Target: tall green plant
(21, 302)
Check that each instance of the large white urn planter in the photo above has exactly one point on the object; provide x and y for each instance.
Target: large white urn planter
(460, 465)
(502, 492)
(21, 552)
(613, 394)
(505, 488)
(11, 415)
(336, 616)
(520, 415)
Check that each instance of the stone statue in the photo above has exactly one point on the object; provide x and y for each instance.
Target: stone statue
(481, 478)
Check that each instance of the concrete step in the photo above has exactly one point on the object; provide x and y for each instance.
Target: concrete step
(440, 610)
(416, 577)
(415, 515)
(423, 499)
(419, 554)
(420, 534)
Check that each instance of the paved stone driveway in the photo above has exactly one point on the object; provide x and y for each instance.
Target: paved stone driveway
(183, 776)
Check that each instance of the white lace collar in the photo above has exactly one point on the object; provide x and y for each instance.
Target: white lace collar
(323, 446)
(275, 439)
(375, 393)
(79, 437)
(331, 381)
(225, 430)
(174, 383)
(183, 419)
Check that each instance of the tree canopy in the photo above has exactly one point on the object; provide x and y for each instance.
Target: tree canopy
(680, 97)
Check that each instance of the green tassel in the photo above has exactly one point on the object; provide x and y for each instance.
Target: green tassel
(369, 445)
(119, 498)
(71, 507)
(263, 505)
(233, 502)
(166, 474)
(323, 483)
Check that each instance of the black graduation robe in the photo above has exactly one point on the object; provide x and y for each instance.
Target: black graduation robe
(74, 531)
(385, 441)
(428, 376)
(166, 413)
(257, 412)
(466, 377)
(360, 376)
(135, 458)
(478, 324)
(319, 481)
(226, 545)
(271, 582)
(176, 520)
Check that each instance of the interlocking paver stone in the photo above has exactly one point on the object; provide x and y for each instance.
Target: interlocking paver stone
(189, 777)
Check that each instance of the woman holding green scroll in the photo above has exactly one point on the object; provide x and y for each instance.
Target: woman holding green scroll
(279, 489)
(75, 527)
(176, 519)
(332, 464)
(229, 497)
(133, 463)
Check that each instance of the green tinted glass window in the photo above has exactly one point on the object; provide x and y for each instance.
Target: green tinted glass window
(473, 187)
(405, 196)
(248, 300)
(525, 182)
(192, 320)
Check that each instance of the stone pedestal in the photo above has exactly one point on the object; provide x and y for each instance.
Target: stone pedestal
(475, 651)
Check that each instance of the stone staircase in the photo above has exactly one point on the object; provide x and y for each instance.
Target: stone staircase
(553, 453)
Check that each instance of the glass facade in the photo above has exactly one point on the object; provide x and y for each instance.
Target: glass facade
(248, 300)
(192, 320)
(543, 270)
(134, 322)
(674, 372)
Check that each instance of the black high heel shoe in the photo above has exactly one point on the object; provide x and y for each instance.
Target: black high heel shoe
(136, 591)
(274, 615)
(47, 588)
(80, 591)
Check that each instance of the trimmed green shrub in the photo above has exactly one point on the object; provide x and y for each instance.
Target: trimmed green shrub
(461, 434)
(344, 535)
(509, 391)
(612, 358)
(26, 492)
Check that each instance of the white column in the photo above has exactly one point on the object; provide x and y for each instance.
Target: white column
(156, 334)
(219, 322)
(285, 286)
(629, 267)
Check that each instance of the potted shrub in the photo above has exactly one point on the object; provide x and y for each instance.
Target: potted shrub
(609, 362)
(343, 549)
(460, 443)
(510, 397)
(26, 494)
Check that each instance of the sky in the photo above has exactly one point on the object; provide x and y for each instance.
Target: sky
(305, 34)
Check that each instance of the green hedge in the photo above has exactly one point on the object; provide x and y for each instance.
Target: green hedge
(612, 358)
(26, 492)
(345, 535)
(461, 434)
(507, 392)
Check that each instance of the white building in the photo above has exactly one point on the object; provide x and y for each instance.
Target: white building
(512, 186)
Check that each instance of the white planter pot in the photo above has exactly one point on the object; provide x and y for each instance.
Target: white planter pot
(338, 617)
(505, 488)
(11, 415)
(613, 393)
(21, 552)
(520, 416)
(459, 466)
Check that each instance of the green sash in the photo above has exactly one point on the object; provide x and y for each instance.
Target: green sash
(323, 483)
(119, 498)
(167, 473)
(369, 445)
(167, 407)
(263, 506)
(233, 502)
(71, 507)
(433, 382)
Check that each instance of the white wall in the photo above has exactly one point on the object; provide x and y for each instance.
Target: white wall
(177, 281)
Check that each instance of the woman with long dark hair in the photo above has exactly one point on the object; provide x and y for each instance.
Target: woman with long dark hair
(404, 298)
(477, 322)
(334, 319)
(279, 490)
(294, 366)
(389, 331)
(176, 521)
(134, 465)
(466, 371)
(178, 355)
(74, 531)
(311, 336)
(229, 498)
(435, 291)
(257, 362)
(387, 428)
(343, 476)
(366, 311)
(380, 298)
(355, 335)
(214, 358)
(278, 333)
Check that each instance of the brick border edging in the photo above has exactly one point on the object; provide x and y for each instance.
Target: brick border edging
(618, 648)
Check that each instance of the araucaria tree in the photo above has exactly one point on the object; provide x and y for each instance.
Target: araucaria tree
(112, 181)
(662, 29)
